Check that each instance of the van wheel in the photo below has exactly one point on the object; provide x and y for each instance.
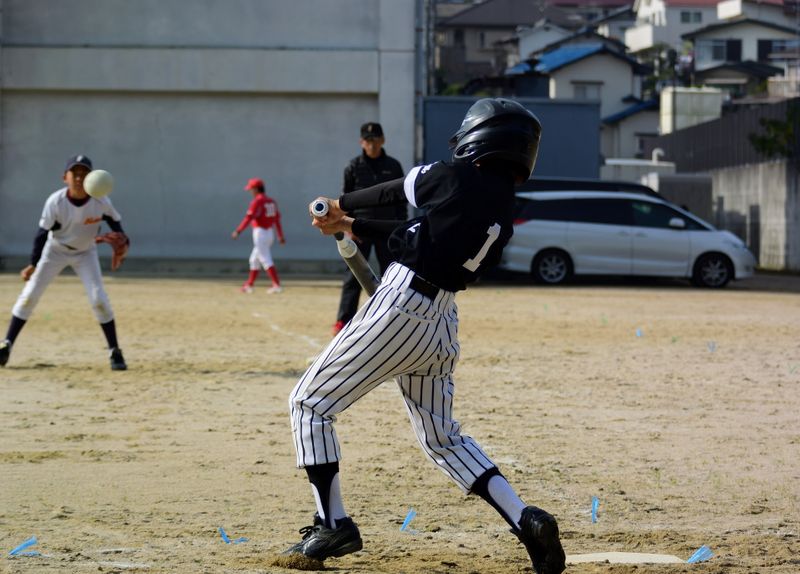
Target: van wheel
(551, 267)
(712, 270)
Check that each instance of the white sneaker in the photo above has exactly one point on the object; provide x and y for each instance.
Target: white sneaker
(246, 289)
(275, 289)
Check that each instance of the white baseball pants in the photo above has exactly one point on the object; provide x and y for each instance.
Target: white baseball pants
(54, 259)
(401, 334)
(262, 243)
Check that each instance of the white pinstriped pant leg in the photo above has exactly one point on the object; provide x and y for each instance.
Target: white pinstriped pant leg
(261, 256)
(398, 333)
(428, 394)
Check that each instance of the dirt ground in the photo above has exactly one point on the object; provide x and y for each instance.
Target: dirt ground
(676, 407)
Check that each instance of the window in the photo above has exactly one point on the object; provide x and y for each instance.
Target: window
(719, 50)
(686, 17)
(601, 210)
(482, 39)
(458, 38)
(546, 210)
(697, 17)
(647, 214)
(586, 90)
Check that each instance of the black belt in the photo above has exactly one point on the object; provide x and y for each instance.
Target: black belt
(423, 287)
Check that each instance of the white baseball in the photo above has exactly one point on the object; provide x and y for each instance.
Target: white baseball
(98, 183)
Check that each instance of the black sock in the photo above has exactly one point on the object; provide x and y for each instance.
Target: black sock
(481, 488)
(110, 331)
(14, 327)
(321, 476)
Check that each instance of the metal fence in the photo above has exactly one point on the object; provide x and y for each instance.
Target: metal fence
(725, 142)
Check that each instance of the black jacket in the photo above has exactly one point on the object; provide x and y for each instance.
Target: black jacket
(363, 172)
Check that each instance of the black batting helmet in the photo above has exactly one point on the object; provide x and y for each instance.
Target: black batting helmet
(499, 130)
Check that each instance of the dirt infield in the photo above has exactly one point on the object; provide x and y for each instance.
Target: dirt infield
(677, 408)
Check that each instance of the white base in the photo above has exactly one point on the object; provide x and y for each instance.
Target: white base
(625, 558)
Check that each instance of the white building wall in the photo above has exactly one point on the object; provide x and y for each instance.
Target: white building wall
(620, 140)
(755, 10)
(534, 39)
(614, 76)
(184, 100)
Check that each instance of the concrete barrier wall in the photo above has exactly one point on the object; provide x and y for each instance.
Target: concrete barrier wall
(759, 202)
(184, 100)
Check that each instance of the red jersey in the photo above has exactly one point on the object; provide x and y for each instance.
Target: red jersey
(263, 212)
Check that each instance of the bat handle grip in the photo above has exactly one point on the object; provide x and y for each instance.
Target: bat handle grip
(319, 208)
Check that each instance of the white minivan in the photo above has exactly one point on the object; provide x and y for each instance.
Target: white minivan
(558, 234)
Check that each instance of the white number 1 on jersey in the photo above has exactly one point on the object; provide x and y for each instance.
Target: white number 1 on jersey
(493, 232)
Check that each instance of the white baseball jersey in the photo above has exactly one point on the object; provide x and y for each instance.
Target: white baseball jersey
(77, 225)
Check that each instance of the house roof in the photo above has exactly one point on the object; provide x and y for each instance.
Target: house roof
(584, 34)
(590, 3)
(568, 55)
(509, 14)
(747, 67)
(736, 22)
(677, 3)
(644, 106)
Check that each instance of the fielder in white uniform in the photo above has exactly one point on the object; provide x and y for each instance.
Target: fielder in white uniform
(407, 331)
(70, 221)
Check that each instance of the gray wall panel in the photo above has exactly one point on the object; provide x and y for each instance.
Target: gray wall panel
(570, 133)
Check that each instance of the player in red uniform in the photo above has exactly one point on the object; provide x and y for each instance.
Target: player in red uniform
(262, 216)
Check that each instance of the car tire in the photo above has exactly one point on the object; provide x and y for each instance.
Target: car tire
(551, 267)
(712, 270)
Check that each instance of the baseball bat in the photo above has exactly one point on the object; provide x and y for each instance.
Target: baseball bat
(350, 253)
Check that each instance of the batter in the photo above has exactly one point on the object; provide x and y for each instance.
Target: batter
(408, 328)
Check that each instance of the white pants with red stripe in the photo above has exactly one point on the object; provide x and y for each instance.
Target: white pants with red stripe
(54, 259)
(400, 334)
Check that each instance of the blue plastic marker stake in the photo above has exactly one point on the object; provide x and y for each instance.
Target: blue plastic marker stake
(712, 346)
(595, 506)
(638, 332)
(409, 517)
(700, 555)
(27, 544)
(228, 540)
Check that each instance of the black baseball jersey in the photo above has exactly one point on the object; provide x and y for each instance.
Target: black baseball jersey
(466, 222)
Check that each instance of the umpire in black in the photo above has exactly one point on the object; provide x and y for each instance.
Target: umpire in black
(365, 170)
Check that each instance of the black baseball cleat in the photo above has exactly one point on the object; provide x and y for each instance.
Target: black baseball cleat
(5, 352)
(538, 531)
(320, 542)
(117, 360)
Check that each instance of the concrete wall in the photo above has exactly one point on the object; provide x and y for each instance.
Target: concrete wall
(184, 100)
(759, 202)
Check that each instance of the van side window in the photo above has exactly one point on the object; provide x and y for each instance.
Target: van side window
(646, 214)
(601, 210)
(548, 210)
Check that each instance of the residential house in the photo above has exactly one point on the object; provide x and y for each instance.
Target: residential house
(626, 133)
(595, 71)
(740, 53)
(473, 42)
(664, 22)
(591, 11)
(616, 22)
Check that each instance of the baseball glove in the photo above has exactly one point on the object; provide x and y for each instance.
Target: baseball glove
(119, 242)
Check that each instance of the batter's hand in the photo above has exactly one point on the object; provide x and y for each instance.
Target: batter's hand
(234, 235)
(27, 272)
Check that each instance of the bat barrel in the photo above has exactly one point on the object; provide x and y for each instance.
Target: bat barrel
(319, 208)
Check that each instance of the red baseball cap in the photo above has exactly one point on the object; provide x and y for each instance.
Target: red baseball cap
(254, 183)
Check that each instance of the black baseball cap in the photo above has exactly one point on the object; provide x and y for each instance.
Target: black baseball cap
(78, 160)
(371, 130)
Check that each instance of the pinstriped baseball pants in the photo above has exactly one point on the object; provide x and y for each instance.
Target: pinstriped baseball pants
(400, 334)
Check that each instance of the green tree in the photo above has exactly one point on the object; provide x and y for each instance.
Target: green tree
(779, 137)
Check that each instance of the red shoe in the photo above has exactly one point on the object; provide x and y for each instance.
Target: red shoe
(338, 326)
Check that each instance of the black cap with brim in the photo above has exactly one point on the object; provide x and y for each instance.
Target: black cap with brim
(78, 160)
